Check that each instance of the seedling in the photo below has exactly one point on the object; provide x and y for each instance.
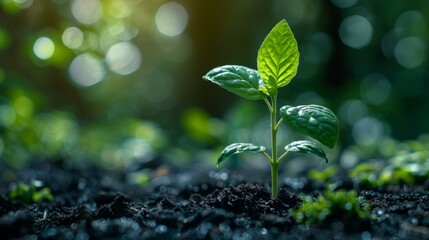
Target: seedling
(277, 64)
(30, 193)
(330, 203)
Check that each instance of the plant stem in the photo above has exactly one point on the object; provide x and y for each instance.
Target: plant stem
(267, 156)
(273, 128)
(274, 180)
(268, 105)
(274, 163)
(282, 156)
(279, 124)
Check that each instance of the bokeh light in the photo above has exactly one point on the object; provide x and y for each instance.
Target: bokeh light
(375, 89)
(356, 31)
(86, 70)
(43, 48)
(23, 3)
(108, 60)
(353, 110)
(349, 158)
(91, 40)
(368, 131)
(411, 23)
(123, 58)
(410, 52)
(23, 106)
(7, 115)
(119, 9)
(171, 19)
(72, 37)
(137, 149)
(86, 11)
(55, 131)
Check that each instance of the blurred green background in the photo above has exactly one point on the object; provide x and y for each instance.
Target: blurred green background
(119, 82)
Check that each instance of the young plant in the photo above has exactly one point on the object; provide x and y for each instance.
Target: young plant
(277, 63)
(30, 193)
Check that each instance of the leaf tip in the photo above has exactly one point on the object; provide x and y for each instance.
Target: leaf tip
(218, 163)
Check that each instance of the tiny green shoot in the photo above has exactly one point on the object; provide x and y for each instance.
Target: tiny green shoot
(277, 64)
(30, 193)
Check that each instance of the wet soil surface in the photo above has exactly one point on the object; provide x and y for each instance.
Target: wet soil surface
(92, 203)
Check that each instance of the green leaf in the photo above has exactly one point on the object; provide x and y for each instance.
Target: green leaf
(315, 121)
(306, 147)
(278, 57)
(270, 88)
(243, 81)
(237, 148)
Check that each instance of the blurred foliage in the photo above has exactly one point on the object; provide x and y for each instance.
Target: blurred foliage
(119, 82)
(27, 134)
(339, 204)
(141, 178)
(32, 192)
(323, 176)
(398, 163)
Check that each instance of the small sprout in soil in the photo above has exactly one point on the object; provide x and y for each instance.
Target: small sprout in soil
(277, 64)
(141, 178)
(331, 204)
(30, 193)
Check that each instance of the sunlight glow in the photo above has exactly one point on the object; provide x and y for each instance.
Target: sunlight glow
(411, 22)
(356, 31)
(119, 9)
(23, 3)
(368, 131)
(171, 19)
(72, 37)
(7, 115)
(86, 11)
(410, 52)
(23, 106)
(86, 70)
(44, 48)
(123, 58)
(353, 110)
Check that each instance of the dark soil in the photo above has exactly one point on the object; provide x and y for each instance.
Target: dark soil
(92, 203)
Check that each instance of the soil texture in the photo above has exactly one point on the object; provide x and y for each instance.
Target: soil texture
(93, 203)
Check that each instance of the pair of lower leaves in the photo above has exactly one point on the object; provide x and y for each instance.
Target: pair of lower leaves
(315, 121)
